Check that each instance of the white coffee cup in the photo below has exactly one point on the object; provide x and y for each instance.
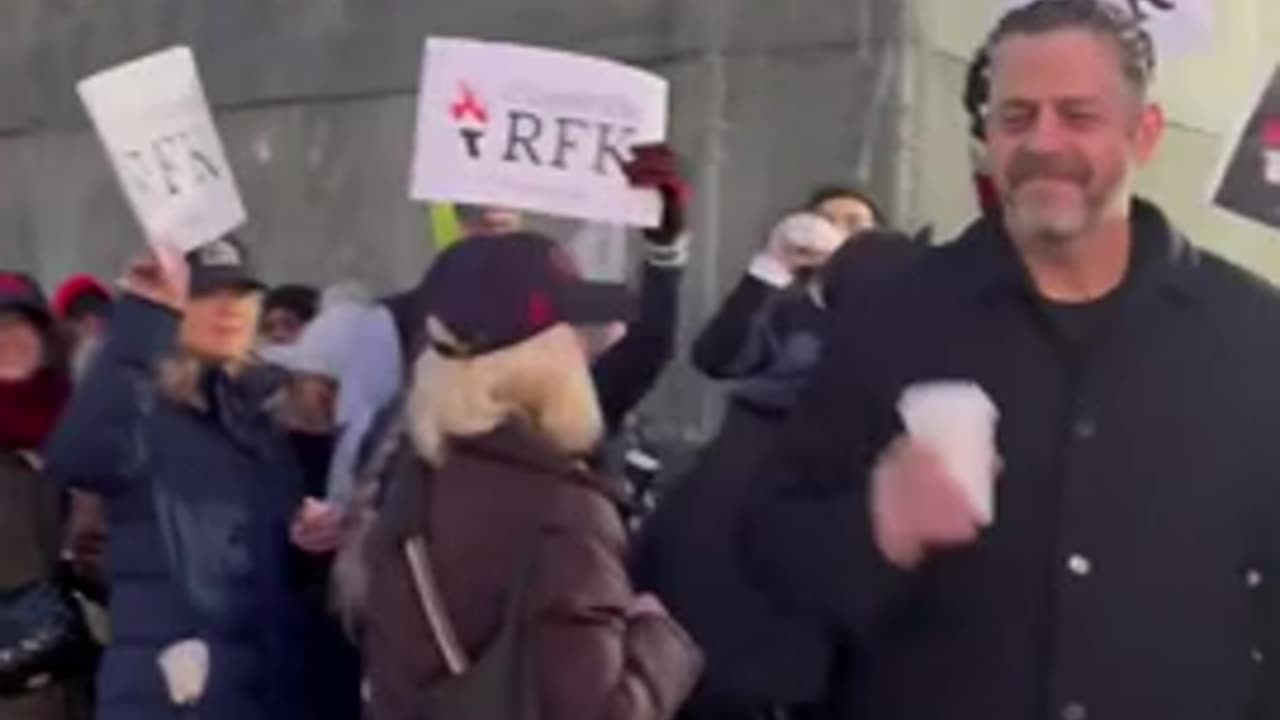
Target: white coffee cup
(957, 419)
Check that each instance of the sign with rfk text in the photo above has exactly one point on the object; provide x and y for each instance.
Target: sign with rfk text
(154, 122)
(535, 129)
(1178, 27)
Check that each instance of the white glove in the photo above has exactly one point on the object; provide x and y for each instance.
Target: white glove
(185, 666)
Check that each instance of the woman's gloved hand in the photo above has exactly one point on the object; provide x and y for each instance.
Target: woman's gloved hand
(657, 167)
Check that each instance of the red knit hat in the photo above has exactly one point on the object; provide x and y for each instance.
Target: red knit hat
(75, 288)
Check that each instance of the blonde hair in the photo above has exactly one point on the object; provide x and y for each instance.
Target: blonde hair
(181, 373)
(544, 380)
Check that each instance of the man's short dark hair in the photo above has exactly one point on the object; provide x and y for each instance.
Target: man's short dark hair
(827, 193)
(301, 300)
(1133, 43)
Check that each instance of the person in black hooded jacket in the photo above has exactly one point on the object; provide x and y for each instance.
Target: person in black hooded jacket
(760, 658)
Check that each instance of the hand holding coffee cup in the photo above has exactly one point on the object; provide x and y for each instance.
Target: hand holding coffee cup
(804, 241)
(934, 488)
(916, 506)
(957, 419)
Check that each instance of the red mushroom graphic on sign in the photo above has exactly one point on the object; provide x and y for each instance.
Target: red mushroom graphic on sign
(472, 116)
(1271, 150)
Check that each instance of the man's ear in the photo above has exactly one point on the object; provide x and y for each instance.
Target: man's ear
(1149, 132)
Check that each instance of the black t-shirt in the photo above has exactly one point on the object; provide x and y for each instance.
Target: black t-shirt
(1080, 323)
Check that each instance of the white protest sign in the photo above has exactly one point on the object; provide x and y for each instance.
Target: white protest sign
(1178, 27)
(535, 129)
(154, 121)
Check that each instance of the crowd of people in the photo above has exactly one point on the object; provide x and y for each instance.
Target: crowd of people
(221, 500)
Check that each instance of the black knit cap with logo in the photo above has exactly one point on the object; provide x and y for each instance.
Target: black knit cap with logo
(493, 292)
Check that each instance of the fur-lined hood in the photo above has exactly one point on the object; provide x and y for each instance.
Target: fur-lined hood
(201, 386)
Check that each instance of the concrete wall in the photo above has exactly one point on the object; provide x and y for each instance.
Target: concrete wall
(315, 102)
(1205, 95)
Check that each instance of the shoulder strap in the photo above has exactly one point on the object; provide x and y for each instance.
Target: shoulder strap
(38, 500)
(385, 439)
(433, 607)
(417, 554)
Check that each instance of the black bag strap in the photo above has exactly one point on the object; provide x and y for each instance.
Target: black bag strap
(386, 440)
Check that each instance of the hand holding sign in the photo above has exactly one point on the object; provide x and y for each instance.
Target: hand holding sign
(656, 167)
(153, 120)
(161, 276)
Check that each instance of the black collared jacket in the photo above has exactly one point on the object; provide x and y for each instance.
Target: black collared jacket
(1133, 568)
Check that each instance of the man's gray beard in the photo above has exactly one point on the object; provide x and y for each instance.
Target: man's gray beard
(1047, 234)
(1052, 237)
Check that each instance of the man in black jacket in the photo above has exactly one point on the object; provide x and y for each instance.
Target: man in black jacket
(760, 660)
(1131, 568)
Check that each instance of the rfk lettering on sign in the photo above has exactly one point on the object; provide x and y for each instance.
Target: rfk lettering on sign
(154, 122)
(1178, 27)
(535, 129)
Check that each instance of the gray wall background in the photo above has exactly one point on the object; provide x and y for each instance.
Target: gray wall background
(315, 100)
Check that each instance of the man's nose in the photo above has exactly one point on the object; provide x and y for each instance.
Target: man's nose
(1047, 135)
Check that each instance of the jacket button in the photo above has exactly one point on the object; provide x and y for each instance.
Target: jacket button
(1075, 711)
(1257, 656)
(1254, 579)
(1079, 565)
(1086, 428)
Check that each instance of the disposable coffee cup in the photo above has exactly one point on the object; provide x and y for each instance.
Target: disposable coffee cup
(957, 420)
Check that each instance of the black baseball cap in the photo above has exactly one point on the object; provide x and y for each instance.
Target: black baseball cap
(494, 291)
(19, 291)
(221, 265)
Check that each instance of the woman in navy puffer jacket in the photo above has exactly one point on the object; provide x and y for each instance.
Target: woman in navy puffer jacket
(170, 427)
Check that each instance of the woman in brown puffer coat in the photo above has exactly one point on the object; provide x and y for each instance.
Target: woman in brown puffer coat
(34, 386)
(501, 413)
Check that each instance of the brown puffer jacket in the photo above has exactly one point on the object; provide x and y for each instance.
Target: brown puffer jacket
(30, 540)
(596, 659)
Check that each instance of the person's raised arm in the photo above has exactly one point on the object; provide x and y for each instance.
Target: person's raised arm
(99, 444)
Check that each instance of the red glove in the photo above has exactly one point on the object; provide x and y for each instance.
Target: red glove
(656, 167)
